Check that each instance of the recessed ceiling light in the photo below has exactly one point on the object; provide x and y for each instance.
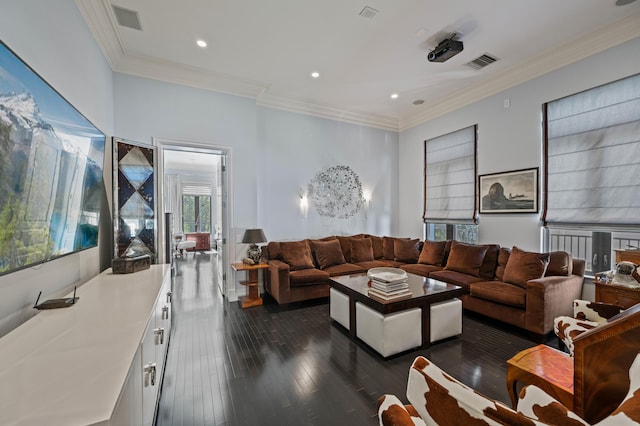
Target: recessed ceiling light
(201, 43)
(315, 74)
(394, 96)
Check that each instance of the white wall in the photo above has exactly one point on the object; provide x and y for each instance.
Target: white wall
(293, 148)
(509, 139)
(52, 38)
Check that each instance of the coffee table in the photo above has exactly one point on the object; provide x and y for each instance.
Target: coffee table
(424, 293)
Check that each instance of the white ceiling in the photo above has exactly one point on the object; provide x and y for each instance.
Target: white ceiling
(267, 49)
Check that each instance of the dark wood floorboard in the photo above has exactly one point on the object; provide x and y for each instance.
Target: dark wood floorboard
(291, 365)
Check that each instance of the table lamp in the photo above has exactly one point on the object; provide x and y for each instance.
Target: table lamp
(253, 236)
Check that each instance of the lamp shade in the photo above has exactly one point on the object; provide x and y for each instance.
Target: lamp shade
(252, 236)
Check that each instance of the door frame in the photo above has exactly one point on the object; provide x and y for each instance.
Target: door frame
(227, 196)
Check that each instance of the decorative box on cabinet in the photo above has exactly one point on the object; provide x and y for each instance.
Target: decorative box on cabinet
(86, 364)
(202, 240)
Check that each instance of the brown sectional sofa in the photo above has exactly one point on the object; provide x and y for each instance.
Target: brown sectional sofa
(522, 288)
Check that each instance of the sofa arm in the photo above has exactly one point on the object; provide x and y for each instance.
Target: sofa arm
(548, 298)
(391, 412)
(277, 282)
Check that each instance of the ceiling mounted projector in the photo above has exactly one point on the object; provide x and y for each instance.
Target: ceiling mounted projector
(445, 50)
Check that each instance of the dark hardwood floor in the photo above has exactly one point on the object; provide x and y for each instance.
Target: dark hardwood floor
(273, 365)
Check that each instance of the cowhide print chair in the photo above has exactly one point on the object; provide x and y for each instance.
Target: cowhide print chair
(586, 316)
(439, 399)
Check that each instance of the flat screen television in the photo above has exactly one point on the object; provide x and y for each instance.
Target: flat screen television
(51, 161)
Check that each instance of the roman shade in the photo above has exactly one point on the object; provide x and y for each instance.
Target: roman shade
(593, 156)
(450, 177)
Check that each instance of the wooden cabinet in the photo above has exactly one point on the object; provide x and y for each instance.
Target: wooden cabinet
(101, 360)
(628, 255)
(202, 240)
(624, 297)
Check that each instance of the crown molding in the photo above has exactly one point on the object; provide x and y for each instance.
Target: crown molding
(327, 111)
(550, 60)
(100, 19)
(102, 23)
(171, 72)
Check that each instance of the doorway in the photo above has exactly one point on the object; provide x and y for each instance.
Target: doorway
(194, 187)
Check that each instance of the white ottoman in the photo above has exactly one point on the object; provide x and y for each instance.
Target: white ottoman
(389, 334)
(446, 319)
(339, 307)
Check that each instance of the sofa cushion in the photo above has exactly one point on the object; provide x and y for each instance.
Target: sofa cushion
(503, 257)
(297, 254)
(345, 243)
(344, 269)
(496, 291)
(523, 266)
(373, 264)
(465, 258)
(432, 253)
(420, 268)
(361, 250)
(311, 276)
(457, 278)
(327, 253)
(490, 261)
(405, 250)
(560, 264)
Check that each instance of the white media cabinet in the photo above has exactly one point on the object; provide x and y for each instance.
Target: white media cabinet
(99, 362)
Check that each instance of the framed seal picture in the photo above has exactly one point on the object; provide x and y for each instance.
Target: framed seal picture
(509, 192)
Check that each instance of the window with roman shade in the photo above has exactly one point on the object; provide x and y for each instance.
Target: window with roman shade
(592, 150)
(450, 177)
(592, 172)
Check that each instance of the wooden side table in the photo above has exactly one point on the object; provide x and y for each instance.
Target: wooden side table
(547, 368)
(253, 296)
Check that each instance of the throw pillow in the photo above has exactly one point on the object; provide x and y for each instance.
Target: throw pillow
(297, 255)
(465, 258)
(503, 257)
(523, 266)
(361, 250)
(377, 244)
(327, 253)
(560, 264)
(345, 243)
(432, 253)
(490, 262)
(387, 248)
(405, 250)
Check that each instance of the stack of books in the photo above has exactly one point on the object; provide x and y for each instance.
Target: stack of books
(389, 286)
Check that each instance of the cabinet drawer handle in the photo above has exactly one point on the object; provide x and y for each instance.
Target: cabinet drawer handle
(150, 374)
(159, 333)
(165, 312)
(169, 294)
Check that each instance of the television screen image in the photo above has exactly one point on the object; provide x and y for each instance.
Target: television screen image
(51, 161)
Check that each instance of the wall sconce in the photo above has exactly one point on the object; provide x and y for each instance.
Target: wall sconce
(304, 203)
(366, 198)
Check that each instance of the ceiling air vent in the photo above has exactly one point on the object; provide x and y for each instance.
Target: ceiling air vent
(482, 61)
(127, 18)
(368, 12)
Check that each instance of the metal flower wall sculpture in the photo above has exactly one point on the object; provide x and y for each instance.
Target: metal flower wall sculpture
(336, 192)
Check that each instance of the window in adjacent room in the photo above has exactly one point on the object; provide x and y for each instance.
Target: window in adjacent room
(592, 170)
(450, 171)
(196, 213)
